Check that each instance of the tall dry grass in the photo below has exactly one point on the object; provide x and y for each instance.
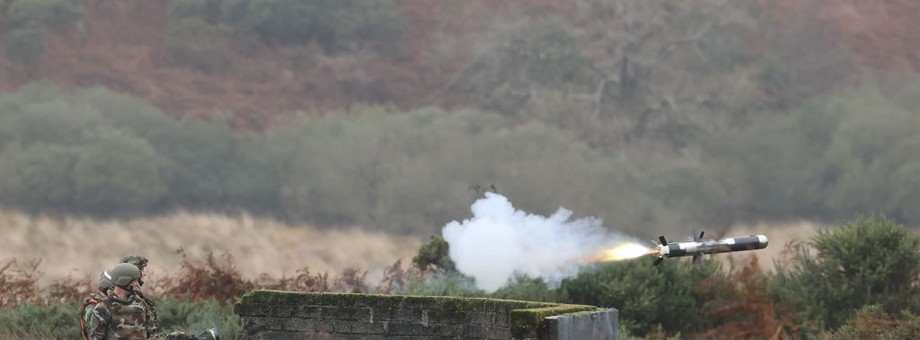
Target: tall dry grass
(71, 248)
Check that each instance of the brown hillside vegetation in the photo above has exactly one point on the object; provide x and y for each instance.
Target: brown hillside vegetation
(883, 32)
(77, 248)
(119, 45)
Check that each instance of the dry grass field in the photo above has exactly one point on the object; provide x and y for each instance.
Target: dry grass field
(80, 247)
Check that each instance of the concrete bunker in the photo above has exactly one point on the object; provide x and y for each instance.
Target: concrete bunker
(269, 314)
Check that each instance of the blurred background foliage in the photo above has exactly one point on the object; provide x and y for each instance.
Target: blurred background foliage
(648, 115)
(99, 153)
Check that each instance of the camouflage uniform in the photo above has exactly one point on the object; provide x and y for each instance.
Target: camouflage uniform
(153, 322)
(116, 319)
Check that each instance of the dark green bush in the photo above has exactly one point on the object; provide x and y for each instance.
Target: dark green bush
(39, 321)
(437, 253)
(207, 10)
(117, 173)
(529, 289)
(196, 317)
(43, 13)
(861, 262)
(196, 44)
(334, 24)
(872, 322)
(23, 45)
(449, 284)
(38, 177)
(668, 295)
(60, 320)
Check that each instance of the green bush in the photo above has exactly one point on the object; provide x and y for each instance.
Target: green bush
(43, 13)
(437, 253)
(194, 43)
(334, 24)
(117, 173)
(23, 45)
(196, 317)
(450, 284)
(862, 262)
(207, 10)
(39, 321)
(529, 289)
(60, 321)
(647, 296)
(25, 21)
(38, 177)
(872, 322)
(411, 172)
(524, 57)
(197, 176)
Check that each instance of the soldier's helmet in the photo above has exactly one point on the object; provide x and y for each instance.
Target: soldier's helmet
(137, 260)
(123, 273)
(104, 282)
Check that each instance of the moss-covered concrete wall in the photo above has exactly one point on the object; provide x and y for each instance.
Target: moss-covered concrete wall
(270, 314)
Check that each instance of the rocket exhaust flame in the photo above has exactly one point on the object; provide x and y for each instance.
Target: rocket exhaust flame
(623, 251)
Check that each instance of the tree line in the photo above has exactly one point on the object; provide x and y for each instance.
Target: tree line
(94, 152)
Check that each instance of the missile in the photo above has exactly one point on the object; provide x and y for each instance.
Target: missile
(698, 247)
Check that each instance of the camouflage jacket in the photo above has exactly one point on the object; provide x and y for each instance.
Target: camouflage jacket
(114, 318)
(153, 324)
(86, 314)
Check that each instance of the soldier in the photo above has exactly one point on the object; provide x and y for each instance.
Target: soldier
(141, 263)
(153, 328)
(123, 315)
(105, 284)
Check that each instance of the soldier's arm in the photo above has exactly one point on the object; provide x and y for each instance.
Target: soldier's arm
(153, 325)
(98, 323)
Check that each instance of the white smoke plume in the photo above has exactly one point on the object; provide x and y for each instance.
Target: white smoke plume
(500, 241)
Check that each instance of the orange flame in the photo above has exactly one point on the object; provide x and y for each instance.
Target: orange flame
(624, 251)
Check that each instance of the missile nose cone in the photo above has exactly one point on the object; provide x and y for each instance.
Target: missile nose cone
(763, 240)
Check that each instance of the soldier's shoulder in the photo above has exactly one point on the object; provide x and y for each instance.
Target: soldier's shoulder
(95, 296)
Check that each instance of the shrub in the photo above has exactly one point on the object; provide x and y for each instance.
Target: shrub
(43, 13)
(861, 262)
(33, 320)
(872, 322)
(25, 21)
(38, 177)
(529, 289)
(334, 24)
(449, 284)
(117, 173)
(647, 296)
(23, 45)
(196, 317)
(435, 253)
(194, 43)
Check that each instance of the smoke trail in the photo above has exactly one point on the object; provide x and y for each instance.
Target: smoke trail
(499, 241)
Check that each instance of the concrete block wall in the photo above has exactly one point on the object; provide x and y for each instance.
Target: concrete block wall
(267, 314)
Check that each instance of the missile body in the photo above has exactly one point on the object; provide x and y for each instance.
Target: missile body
(699, 247)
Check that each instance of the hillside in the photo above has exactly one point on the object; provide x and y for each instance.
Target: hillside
(121, 47)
